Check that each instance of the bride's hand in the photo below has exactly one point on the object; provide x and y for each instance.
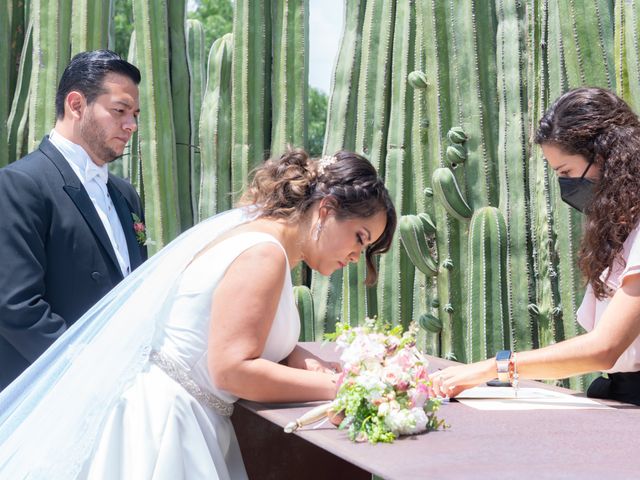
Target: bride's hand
(316, 365)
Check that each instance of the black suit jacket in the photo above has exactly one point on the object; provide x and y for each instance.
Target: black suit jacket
(56, 260)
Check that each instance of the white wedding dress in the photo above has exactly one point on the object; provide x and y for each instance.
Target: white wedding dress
(158, 430)
(166, 421)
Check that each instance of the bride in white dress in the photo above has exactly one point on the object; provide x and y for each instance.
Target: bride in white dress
(143, 385)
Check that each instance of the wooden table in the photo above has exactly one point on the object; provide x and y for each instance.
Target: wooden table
(536, 444)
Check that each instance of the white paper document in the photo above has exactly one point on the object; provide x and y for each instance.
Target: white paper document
(504, 398)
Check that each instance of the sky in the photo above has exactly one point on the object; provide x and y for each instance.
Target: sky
(325, 31)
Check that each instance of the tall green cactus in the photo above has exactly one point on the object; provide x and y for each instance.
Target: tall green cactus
(51, 27)
(513, 179)
(17, 123)
(290, 75)
(341, 116)
(251, 84)
(197, 83)
(488, 327)
(156, 133)
(5, 78)
(89, 30)
(180, 78)
(627, 51)
(304, 303)
(215, 131)
(396, 271)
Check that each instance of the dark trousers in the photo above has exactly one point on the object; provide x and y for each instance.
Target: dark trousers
(623, 387)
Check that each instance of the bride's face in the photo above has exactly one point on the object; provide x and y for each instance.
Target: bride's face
(341, 242)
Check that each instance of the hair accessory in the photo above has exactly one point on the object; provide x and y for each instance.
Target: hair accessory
(325, 162)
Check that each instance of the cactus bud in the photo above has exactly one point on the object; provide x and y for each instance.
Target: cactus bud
(435, 303)
(456, 154)
(448, 264)
(533, 309)
(430, 323)
(448, 308)
(428, 192)
(457, 135)
(418, 79)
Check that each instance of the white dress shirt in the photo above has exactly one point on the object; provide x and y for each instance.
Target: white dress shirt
(94, 180)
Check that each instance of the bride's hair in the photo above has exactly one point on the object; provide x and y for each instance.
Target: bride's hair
(287, 187)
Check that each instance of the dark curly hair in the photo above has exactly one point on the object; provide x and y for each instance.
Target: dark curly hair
(287, 187)
(598, 125)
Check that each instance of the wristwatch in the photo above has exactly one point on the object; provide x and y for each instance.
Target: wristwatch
(503, 357)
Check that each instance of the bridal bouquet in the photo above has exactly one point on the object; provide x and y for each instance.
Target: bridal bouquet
(384, 389)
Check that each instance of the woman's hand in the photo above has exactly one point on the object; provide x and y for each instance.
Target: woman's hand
(317, 365)
(453, 380)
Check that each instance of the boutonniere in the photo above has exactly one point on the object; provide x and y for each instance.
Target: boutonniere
(139, 229)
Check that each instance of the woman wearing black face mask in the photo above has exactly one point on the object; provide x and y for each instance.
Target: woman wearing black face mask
(591, 138)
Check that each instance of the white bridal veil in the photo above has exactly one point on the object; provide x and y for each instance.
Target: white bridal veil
(50, 416)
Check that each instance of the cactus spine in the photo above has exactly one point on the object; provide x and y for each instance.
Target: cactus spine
(215, 131)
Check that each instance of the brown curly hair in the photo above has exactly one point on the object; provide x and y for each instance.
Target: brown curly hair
(598, 125)
(287, 187)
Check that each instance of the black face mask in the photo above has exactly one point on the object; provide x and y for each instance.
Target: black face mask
(577, 191)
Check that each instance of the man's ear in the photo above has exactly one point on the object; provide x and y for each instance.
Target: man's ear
(75, 104)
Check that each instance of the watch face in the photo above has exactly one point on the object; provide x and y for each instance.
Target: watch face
(503, 355)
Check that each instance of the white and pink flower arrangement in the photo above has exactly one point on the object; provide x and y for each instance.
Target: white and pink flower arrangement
(384, 389)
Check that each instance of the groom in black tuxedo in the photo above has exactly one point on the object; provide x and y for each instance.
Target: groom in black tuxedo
(69, 230)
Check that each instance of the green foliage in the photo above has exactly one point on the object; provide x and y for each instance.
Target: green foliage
(123, 26)
(216, 17)
(318, 101)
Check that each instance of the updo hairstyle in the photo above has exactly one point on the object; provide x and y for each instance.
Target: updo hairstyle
(286, 188)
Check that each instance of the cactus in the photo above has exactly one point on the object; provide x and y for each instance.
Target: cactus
(5, 79)
(395, 292)
(89, 30)
(327, 291)
(487, 306)
(197, 81)
(251, 83)
(215, 131)
(17, 124)
(512, 159)
(290, 75)
(132, 163)
(51, 27)
(180, 78)
(304, 303)
(414, 232)
(448, 192)
(156, 133)
(627, 52)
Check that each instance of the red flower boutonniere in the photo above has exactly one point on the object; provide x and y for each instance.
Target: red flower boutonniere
(140, 229)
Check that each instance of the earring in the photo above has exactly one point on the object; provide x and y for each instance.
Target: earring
(316, 231)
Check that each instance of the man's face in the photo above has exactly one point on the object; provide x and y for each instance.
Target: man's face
(108, 123)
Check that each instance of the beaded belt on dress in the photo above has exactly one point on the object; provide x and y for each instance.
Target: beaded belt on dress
(179, 374)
